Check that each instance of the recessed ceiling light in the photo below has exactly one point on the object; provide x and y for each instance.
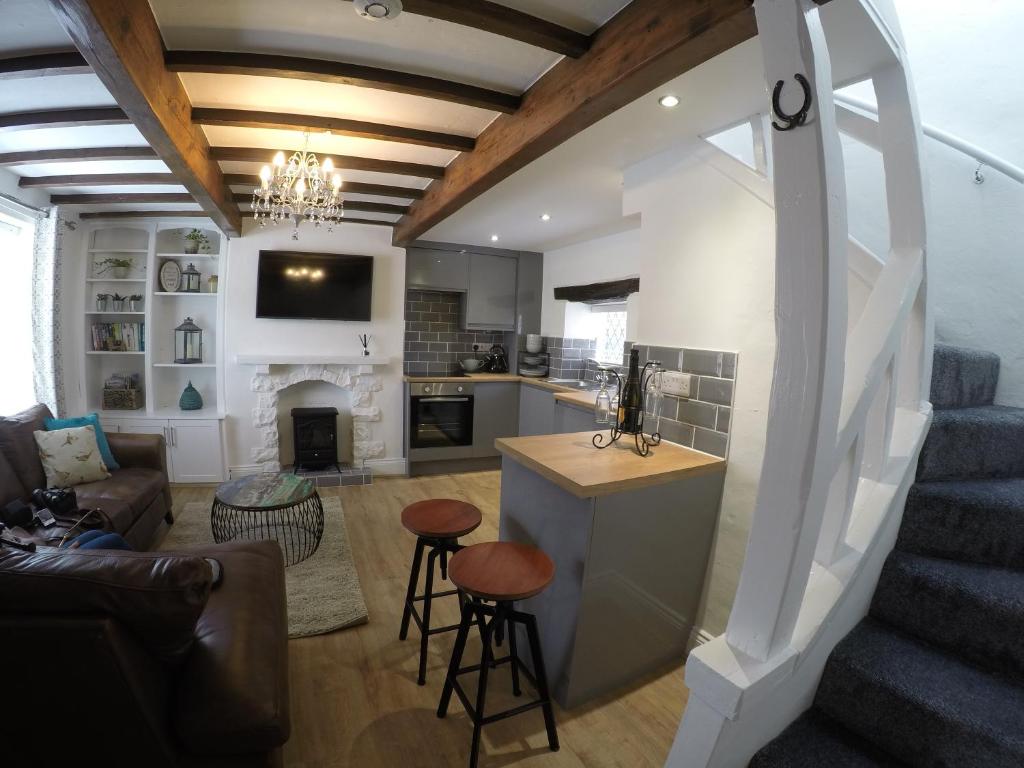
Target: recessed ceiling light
(545, 217)
(668, 101)
(494, 238)
(378, 10)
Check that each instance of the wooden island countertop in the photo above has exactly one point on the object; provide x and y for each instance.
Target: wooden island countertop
(572, 462)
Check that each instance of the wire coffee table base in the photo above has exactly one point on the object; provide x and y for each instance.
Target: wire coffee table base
(297, 527)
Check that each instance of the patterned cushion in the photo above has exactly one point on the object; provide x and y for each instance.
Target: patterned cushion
(101, 437)
(70, 456)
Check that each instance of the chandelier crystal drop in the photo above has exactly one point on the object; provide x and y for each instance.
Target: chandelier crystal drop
(299, 189)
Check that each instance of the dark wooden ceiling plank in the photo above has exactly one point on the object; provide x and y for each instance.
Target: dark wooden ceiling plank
(122, 197)
(122, 42)
(350, 162)
(504, 21)
(319, 70)
(44, 65)
(350, 205)
(99, 180)
(646, 44)
(355, 187)
(63, 118)
(86, 154)
(244, 118)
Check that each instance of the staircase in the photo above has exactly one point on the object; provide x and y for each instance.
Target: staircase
(934, 676)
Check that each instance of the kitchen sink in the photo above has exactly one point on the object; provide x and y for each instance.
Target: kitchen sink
(576, 383)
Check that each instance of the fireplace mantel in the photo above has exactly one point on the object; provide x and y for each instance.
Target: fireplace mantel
(264, 360)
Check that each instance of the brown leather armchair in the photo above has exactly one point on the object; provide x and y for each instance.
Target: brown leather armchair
(131, 659)
(135, 497)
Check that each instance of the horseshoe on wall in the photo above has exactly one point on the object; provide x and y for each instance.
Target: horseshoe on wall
(799, 118)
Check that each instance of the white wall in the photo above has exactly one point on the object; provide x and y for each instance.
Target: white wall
(245, 334)
(613, 257)
(707, 274)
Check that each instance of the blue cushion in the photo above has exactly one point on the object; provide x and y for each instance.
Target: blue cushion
(81, 421)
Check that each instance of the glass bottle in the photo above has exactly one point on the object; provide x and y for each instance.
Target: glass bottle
(631, 403)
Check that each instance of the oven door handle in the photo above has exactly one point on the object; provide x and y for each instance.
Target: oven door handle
(443, 399)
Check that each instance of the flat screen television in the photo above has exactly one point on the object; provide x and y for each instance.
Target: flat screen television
(314, 286)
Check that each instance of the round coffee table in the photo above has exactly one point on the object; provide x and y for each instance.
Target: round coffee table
(282, 507)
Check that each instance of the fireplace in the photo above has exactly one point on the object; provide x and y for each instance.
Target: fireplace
(315, 436)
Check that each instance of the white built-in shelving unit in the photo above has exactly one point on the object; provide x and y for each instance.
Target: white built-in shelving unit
(194, 438)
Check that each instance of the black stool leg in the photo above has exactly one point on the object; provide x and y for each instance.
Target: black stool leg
(444, 564)
(425, 629)
(510, 623)
(542, 678)
(410, 593)
(456, 661)
(481, 691)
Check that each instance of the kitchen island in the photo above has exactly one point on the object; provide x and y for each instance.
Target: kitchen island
(630, 537)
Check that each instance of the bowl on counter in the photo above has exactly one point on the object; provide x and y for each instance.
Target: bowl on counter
(471, 364)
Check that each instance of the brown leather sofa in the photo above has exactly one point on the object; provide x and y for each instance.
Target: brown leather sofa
(130, 659)
(135, 497)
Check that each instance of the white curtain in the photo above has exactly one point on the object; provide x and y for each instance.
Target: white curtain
(47, 261)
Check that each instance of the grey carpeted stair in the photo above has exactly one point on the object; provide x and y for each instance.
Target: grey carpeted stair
(973, 611)
(935, 675)
(815, 740)
(962, 377)
(920, 705)
(978, 521)
(974, 443)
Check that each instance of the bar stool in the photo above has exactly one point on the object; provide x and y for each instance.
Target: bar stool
(500, 572)
(438, 524)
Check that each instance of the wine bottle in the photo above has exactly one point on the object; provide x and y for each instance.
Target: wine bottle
(631, 404)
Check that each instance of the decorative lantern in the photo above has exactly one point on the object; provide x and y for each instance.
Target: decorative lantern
(188, 343)
(190, 279)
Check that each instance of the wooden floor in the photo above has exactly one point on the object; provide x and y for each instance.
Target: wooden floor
(354, 696)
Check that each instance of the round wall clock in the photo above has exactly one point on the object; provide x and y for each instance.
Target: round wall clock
(170, 276)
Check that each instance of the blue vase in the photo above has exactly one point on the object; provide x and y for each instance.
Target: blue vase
(190, 399)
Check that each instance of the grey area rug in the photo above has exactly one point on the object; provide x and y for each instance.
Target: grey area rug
(323, 591)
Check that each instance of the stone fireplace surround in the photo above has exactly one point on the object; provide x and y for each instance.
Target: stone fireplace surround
(357, 379)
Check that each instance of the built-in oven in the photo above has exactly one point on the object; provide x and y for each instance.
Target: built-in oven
(440, 420)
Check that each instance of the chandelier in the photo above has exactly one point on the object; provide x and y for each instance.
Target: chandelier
(301, 189)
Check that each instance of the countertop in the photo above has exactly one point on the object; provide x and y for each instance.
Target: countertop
(572, 462)
(485, 377)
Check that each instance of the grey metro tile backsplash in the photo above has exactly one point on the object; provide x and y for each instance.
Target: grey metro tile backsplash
(434, 342)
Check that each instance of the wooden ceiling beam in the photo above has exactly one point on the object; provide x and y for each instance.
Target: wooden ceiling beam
(123, 197)
(122, 42)
(349, 162)
(646, 44)
(244, 118)
(502, 20)
(63, 118)
(349, 205)
(87, 154)
(44, 65)
(318, 70)
(355, 187)
(99, 180)
(198, 215)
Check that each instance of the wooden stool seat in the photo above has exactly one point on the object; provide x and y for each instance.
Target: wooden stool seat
(501, 570)
(441, 518)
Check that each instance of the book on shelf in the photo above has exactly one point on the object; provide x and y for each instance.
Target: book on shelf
(118, 337)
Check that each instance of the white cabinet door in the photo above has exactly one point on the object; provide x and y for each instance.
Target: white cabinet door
(196, 452)
(151, 427)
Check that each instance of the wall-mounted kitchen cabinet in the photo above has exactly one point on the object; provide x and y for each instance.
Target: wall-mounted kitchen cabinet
(490, 303)
(437, 269)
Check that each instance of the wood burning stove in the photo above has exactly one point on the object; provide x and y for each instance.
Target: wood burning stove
(315, 436)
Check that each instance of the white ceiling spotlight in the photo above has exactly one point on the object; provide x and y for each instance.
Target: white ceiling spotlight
(494, 238)
(668, 101)
(378, 10)
(545, 217)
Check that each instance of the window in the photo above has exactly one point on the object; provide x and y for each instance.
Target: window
(16, 388)
(610, 327)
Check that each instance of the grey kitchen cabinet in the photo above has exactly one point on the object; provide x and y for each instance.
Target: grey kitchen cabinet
(571, 418)
(437, 269)
(495, 414)
(529, 292)
(491, 301)
(536, 411)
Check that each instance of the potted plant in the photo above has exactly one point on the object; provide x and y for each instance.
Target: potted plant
(135, 302)
(196, 239)
(101, 301)
(118, 267)
(118, 300)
